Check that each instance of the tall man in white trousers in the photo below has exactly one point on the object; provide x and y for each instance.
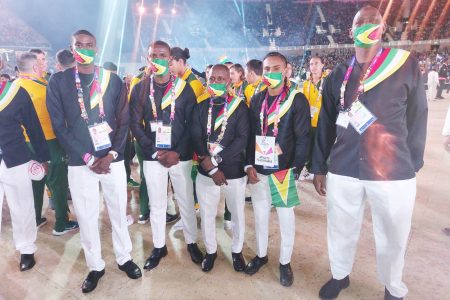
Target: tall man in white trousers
(372, 129)
(89, 112)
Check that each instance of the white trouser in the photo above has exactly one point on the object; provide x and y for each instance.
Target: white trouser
(208, 194)
(432, 91)
(391, 204)
(156, 176)
(262, 202)
(84, 187)
(16, 185)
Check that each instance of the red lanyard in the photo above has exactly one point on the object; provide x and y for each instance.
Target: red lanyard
(361, 82)
(264, 114)
(97, 87)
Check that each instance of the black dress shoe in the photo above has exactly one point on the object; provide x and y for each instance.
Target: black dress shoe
(286, 275)
(27, 262)
(131, 269)
(388, 296)
(208, 262)
(172, 218)
(256, 263)
(196, 254)
(90, 283)
(333, 287)
(238, 262)
(155, 257)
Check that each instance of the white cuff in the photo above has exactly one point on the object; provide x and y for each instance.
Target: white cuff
(90, 162)
(154, 155)
(114, 154)
(247, 167)
(213, 171)
(214, 162)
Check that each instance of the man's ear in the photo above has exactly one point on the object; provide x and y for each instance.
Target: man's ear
(350, 33)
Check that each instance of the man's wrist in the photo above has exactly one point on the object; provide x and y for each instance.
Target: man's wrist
(213, 171)
(247, 167)
(114, 154)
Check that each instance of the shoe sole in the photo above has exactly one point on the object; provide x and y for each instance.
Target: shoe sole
(143, 222)
(57, 233)
(174, 220)
(42, 224)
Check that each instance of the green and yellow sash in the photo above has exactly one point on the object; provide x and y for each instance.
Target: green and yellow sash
(234, 103)
(7, 94)
(390, 61)
(103, 81)
(284, 106)
(167, 98)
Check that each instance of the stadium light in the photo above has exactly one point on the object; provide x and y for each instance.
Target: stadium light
(174, 11)
(157, 10)
(141, 10)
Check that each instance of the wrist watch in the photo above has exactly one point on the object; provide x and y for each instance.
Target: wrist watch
(217, 158)
(114, 154)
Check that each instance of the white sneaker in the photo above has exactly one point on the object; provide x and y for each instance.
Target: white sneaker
(227, 225)
(178, 225)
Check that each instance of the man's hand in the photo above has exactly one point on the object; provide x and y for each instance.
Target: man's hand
(219, 178)
(168, 158)
(252, 175)
(447, 143)
(320, 184)
(206, 163)
(45, 166)
(102, 165)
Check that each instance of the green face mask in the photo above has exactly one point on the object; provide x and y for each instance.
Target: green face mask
(367, 35)
(160, 67)
(217, 89)
(84, 56)
(273, 80)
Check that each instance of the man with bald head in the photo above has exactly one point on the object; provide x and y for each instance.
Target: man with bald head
(220, 131)
(372, 130)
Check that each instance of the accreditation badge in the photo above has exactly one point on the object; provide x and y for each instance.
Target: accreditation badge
(214, 148)
(153, 126)
(100, 136)
(343, 119)
(314, 111)
(265, 152)
(361, 117)
(163, 136)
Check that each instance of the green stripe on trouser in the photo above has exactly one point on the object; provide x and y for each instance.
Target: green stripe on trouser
(56, 181)
(143, 194)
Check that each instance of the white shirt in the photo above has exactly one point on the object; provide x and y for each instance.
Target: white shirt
(446, 129)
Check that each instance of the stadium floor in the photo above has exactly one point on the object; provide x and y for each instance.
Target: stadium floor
(61, 267)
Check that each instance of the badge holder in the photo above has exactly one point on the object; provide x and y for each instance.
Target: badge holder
(361, 117)
(100, 136)
(163, 136)
(214, 148)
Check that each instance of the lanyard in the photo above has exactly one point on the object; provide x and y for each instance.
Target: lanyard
(320, 90)
(264, 114)
(171, 86)
(361, 81)
(239, 94)
(98, 89)
(209, 125)
(258, 87)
